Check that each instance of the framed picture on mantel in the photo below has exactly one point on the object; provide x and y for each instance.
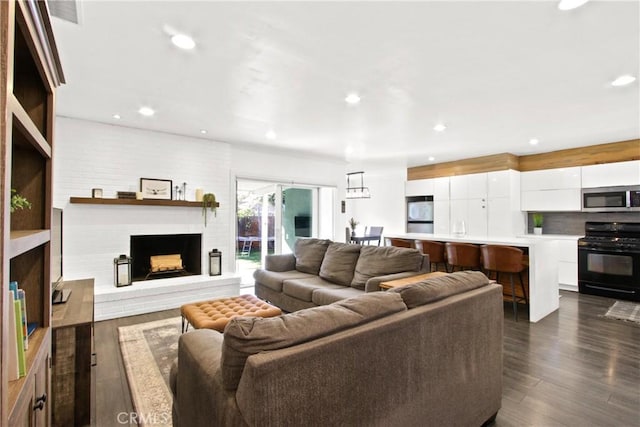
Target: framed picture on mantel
(160, 189)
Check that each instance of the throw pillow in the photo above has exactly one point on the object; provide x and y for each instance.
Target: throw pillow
(432, 290)
(309, 254)
(245, 336)
(380, 261)
(339, 263)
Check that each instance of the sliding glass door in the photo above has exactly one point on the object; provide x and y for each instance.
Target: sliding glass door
(271, 216)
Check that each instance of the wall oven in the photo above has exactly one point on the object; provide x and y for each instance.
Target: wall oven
(609, 260)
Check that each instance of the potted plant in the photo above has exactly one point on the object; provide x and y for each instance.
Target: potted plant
(18, 202)
(209, 201)
(353, 224)
(538, 219)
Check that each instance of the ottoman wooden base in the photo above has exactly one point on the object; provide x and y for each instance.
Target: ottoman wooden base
(215, 314)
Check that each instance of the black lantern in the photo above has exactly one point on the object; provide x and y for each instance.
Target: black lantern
(122, 270)
(215, 263)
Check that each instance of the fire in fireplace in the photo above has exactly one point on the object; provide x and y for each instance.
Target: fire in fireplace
(165, 255)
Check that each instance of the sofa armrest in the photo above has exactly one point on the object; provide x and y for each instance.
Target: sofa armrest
(198, 383)
(285, 262)
(373, 284)
(426, 264)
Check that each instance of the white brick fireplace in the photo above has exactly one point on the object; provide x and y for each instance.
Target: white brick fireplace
(91, 155)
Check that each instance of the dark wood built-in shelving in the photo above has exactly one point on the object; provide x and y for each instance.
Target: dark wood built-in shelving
(136, 202)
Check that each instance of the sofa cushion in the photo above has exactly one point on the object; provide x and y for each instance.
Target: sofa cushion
(431, 290)
(339, 263)
(309, 254)
(379, 261)
(302, 289)
(245, 336)
(273, 279)
(325, 296)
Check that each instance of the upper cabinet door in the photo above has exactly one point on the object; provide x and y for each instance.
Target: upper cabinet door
(477, 186)
(458, 187)
(419, 187)
(472, 186)
(551, 179)
(441, 188)
(611, 174)
(499, 183)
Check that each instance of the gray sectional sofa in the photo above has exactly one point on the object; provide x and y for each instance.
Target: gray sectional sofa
(321, 272)
(427, 354)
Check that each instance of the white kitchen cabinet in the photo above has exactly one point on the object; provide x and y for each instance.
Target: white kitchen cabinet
(458, 187)
(504, 217)
(477, 217)
(441, 188)
(441, 217)
(611, 174)
(477, 186)
(551, 179)
(500, 183)
(551, 200)
(419, 187)
(568, 264)
(472, 186)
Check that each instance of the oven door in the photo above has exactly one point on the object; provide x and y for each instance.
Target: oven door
(609, 272)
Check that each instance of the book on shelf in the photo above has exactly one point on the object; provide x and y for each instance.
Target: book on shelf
(14, 372)
(22, 361)
(23, 307)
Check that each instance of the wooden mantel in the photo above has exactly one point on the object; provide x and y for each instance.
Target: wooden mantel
(136, 202)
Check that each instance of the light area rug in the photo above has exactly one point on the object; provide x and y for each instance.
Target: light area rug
(624, 310)
(148, 350)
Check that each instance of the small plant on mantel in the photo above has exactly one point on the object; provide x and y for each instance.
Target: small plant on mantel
(18, 202)
(209, 201)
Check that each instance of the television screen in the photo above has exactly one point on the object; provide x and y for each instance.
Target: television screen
(58, 294)
(302, 225)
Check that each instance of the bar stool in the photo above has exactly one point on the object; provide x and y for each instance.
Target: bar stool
(462, 255)
(400, 243)
(506, 259)
(435, 250)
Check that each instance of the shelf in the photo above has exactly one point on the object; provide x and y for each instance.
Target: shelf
(24, 240)
(28, 128)
(135, 202)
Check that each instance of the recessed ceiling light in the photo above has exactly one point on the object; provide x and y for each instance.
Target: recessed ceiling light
(623, 80)
(183, 41)
(116, 116)
(352, 98)
(146, 111)
(533, 141)
(203, 131)
(431, 158)
(439, 127)
(570, 4)
(270, 135)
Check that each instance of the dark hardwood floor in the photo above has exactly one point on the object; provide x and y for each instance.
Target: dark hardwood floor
(573, 368)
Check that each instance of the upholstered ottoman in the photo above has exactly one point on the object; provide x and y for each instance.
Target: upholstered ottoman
(215, 314)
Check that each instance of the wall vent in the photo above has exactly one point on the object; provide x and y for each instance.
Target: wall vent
(67, 10)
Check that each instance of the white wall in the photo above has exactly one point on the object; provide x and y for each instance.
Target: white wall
(94, 155)
(386, 205)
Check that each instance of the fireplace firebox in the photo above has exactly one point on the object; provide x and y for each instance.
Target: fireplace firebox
(186, 246)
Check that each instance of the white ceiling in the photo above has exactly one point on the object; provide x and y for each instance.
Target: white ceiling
(496, 73)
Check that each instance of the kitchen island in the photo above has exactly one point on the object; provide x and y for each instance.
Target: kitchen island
(543, 254)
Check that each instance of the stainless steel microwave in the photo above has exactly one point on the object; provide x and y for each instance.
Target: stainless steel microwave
(611, 199)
